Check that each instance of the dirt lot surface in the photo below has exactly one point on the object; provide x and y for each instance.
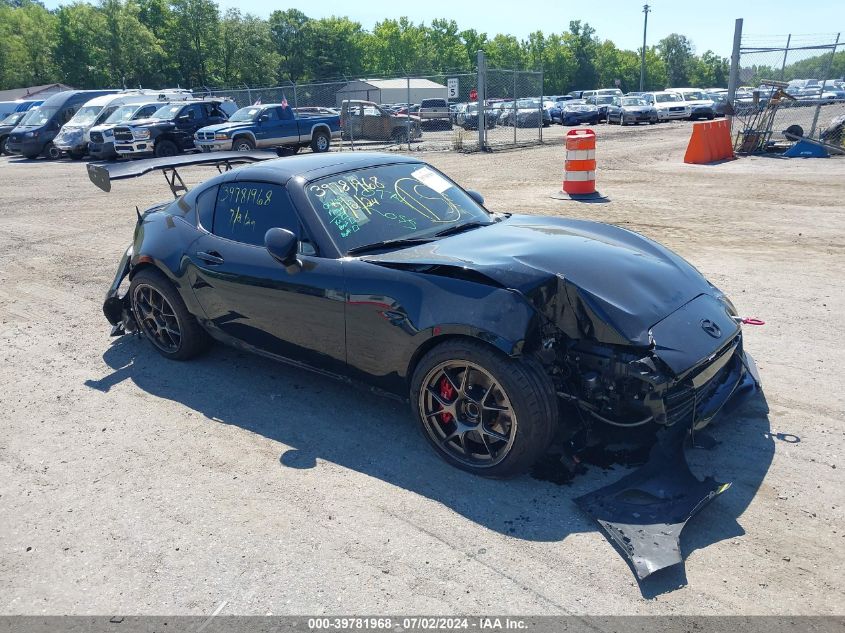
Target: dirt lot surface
(129, 484)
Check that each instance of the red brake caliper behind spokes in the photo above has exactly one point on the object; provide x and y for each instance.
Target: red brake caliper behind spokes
(447, 392)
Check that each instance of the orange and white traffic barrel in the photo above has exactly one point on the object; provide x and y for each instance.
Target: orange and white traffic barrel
(579, 177)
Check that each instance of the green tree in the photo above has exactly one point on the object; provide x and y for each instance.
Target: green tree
(581, 40)
(676, 51)
(337, 48)
(82, 60)
(292, 35)
(193, 40)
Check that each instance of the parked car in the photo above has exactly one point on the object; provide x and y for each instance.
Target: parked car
(527, 113)
(74, 136)
(7, 125)
(270, 125)
(101, 143)
(365, 120)
(316, 110)
(576, 112)
(631, 110)
(455, 111)
(382, 270)
(434, 114)
(171, 128)
(33, 137)
(700, 104)
(468, 118)
(601, 102)
(670, 105)
(721, 105)
(601, 92)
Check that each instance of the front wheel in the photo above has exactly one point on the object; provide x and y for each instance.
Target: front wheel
(243, 144)
(400, 135)
(482, 411)
(320, 142)
(50, 151)
(3, 149)
(163, 317)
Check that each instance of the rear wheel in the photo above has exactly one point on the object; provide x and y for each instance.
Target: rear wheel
(320, 142)
(243, 144)
(163, 317)
(482, 411)
(400, 135)
(3, 145)
(165, 148)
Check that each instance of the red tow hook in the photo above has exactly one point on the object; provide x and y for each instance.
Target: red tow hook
(753, 321)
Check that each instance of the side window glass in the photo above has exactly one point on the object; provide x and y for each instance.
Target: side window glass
(272, 114)
(205, 207)
(246, 210)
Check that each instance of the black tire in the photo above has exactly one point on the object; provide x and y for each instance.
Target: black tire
(527, 390)
(76, 155)
(320, 142)
(243, 144)
(50, 151)
(165, 148)
(3, 145)
(400, 135)
(193, 339)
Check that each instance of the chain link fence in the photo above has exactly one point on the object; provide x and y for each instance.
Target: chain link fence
(808, 71)
(513, 112)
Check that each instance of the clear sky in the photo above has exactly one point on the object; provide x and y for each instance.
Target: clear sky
(708, 23)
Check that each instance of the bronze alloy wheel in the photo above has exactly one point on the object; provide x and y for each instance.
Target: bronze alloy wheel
(157, 318)
(467, 414)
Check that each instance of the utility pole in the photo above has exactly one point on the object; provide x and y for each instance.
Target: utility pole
(646, 10)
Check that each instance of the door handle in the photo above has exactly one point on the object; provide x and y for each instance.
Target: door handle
(210, 258)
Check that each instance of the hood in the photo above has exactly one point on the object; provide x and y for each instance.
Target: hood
(228, 126)
(146, 122)
(593, 280)
(70, 136)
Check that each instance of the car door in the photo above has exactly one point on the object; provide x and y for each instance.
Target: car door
(249, 296)
(376, 123)
(288, 126)
(187, 122)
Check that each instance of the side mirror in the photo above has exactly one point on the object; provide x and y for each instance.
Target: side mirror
(263, 118)
(476, 196)
(282, 246)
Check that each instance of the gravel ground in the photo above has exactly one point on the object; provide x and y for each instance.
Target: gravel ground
(129, 484)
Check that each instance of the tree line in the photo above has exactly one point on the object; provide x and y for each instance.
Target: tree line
(193, 43)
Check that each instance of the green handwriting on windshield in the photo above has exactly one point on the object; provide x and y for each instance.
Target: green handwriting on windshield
(353, 201)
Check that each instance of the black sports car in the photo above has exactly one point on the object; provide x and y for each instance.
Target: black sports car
(503, 330)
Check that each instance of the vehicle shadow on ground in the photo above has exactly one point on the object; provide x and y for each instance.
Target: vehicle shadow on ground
(320, 418)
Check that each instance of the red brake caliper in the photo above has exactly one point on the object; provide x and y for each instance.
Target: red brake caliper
(447, 392)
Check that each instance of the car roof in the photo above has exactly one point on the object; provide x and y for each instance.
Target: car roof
(311, 166)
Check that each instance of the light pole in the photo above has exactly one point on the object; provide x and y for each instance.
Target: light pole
(646, 9)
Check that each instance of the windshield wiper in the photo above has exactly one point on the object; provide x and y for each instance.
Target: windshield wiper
(461, 228)
(406, 241)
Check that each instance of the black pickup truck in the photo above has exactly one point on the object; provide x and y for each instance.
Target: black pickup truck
(170, 130)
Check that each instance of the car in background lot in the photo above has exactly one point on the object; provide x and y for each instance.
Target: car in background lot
(576, 112)
(700, 103)
(468, 117)
(74, 136)
(721, 105)
(670, 105)
(20, 105)
(269, 125)
(601, 102)
(33, 137)
(631, 110)
(170, 130)
(7, 125)
(365, 120)
(527, 113)
(101, 143)
(434, 114)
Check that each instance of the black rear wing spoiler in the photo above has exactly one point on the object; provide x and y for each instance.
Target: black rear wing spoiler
(102, 174)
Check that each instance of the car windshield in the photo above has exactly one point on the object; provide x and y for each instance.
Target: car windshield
(85, 116)
(390, 202)
(695, 96)
(528, 104)
(166, 112)
(633, 101)
(666, 97)
(123, 113)
(41, 116)
(246, 114)
(14, 118)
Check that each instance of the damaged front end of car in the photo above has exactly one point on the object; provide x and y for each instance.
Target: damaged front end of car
(672, 378)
